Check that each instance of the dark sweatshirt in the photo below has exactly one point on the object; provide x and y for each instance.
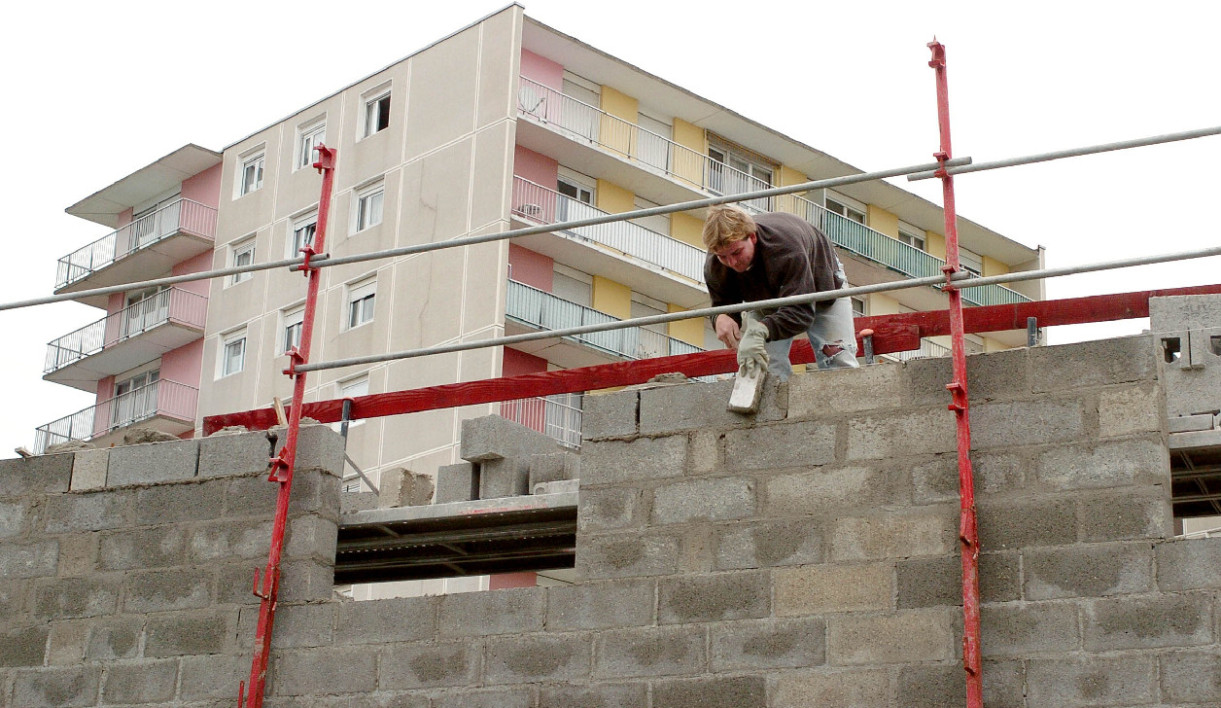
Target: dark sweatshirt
(791, 258)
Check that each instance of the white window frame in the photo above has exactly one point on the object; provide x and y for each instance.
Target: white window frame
(293, 317)
(368, 204)
(295, 242)
(309, 136)
(375, 111)
(362, 303)
(916, 238)
(241, 253)
(352, 388)
(860, 306)
(849, 205)
(237, 340)
(971, 261)
(252, 164)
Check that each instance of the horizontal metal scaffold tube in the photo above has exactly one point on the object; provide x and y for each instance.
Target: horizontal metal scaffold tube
(961, 281)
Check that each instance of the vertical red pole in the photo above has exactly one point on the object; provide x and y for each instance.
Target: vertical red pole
(968, 533)
(282, 465)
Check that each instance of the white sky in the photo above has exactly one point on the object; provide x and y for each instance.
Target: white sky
(93, 91)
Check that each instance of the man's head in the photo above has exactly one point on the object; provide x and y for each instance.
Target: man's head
(729, 234)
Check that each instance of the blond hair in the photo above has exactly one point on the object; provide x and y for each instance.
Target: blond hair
(726, 224)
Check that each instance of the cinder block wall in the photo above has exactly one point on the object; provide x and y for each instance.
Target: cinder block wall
(806, 556)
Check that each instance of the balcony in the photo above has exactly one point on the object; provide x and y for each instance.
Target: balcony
(163, 405)
(147, 247)
(121, 341)
(558, 417)
(534, 309)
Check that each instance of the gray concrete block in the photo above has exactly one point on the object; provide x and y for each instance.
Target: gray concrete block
(14, 519)
(1191, 676)
(1019, 630)
(560, 486)
(833, 687)
(1183, 311)
(175, 503)
(232, 455)
(57, 687)
(163, 590)
(1123, 515)
(768, 543)
(28, 560)
(90, 511)
(296, 625)
(153, 547)
(999, 472)
(43, 474)
(13, 594)
(66, 644)
(23, 646)
(602, 695)
(357, 501)
(717, 692)
(922, 531)
(412, 666)
(1087, 571)
(711, 598)
(768, 644)
(833, 393)
(1020, 423)
(114, 638)
(996, 375)
(1004, 684)
(611, 415)
(213, 676)
(456, 483)
(651, 651)
(152, 463)
(903, 434)
(509, 477)
(1097, 363)
(78, 554)
(402, 487)
(323, 672)
(833, 587)
(180, 634)
(930, 634)
(477, 614)
(1108, 464)
(308, 537)
(89, 469)
(1091, 680)
(307, 580)
(493, 438)
(1131, 410)
(313, 492)
(701, 406)
(553, 468)
(615, 461)
(1039, 521)
(487, 698)
(767, 447)
(552, 658)
(706, 499)
(77, 597)
(1189, 564)
(1000, 576)
(928, 582)
(833, 489)
(141, 682)
(930, 685)
(233, 582)
(1172, 620)
(626, 555)
(318, 448)
(381, 621)
(604, 508)
(1191, 423)
(613, 604)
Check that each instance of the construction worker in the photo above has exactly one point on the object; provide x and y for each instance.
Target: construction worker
(770, 256)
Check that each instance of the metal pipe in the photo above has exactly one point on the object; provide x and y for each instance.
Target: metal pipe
(1032, 331)
(359, 472)
(1072, 152)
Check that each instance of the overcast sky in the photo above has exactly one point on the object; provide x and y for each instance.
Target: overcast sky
(93, 91)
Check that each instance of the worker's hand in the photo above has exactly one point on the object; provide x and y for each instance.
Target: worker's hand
(751, 354)
(727, 331)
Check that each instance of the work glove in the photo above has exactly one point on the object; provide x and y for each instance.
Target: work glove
(752, 357)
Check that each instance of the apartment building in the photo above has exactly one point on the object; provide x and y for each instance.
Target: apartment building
(503, 124)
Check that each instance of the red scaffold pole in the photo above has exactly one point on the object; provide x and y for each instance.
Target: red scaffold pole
(968, 532)
(282, 464)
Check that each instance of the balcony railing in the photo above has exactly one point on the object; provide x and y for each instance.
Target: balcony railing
(165, 398)
(542, 310)
(181, 216)
(172, 305)
(558, 417)
(541, 205)
(928, 349)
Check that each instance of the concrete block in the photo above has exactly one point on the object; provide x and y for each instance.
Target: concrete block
(616, 461)
(412, 666)
(141, 682)
(1019, 523)
(90, 511)
(705, 452)
(924, 531)
(999, 472)
(307, 580)
(1183, 311)
(833, 393)
(701, 406)
(43, 474)
(996, 375)
(78, 555)
(604, 508)
(204, 677)
(769, 543)
(313, 492)
(77, 597)
(402, 487)
(89, 469)
(1190, 423)
(357, 501)
(928, 582)
(456, 483)
(309, 537)
(487, 698)
(833, 687)
(1021, 423)
(886, 437)
(152, 463)
(1171, 620)
(1132, 410)
(1189, 564)
(234, 455)
(406, 619)
(1091, 680)
(768, 644)
(1087, 364)
(163, 590)
(233, 539)
(625, 555)
(650, 651)
(154, 547)
(711, 598)
(613, 604)
(1191, 676)
(181, 634)
(509, 477)
(1020, 630)
(929, 685)
(58, 687)
(1120, 516)
(477, 614)
(611, 415)
(560, 486)
(1004, 684)
(833, 587)
(717, 692)
(833, 489)
(1109, 464)
(936, 480)
(318, 448)
(553, 468)
(552, 658)
(602, 695)
(13, 597)
(174, 503)
(1088, 571)
(767, 447)
(296, 625)
(323, 672)
(23, 646)
(14, 519)
(116, 638)
(930, 634)
(66, 643)
(493, 438)
(1000, 576)
(28, 560)
(707, 499)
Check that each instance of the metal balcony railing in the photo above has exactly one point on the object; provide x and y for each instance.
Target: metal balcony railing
(542, 310)
(928, 349)
(536, 203)
(159, 398)
(558, 417)
(181, 216)
(172, 305)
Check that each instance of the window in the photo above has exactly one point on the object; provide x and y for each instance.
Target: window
(352, 388)
(858, 307)
(290, 331)
(242, 255)
(578, 190)
(232, 353)
(845, 211)
(735, 172)
(303, 234)
(369, 207)
(911, 238)
(971, 262)
(360, 303)
(377, 112)
(250, 177)
(308, 138)
(134, 399)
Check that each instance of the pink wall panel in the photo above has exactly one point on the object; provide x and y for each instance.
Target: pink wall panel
(517, 363)
(183, 364)
(203, 187)
(540, 169)
(544, 71)
(533, 269)
(197, 264)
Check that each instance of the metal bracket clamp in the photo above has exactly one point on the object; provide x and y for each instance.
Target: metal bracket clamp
(295, 358)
